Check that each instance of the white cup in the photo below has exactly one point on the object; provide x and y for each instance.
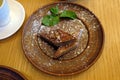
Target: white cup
(4, 13)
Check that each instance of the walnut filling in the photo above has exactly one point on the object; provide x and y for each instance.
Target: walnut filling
(59, 39)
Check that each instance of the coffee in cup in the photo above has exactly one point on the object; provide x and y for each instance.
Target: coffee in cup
(1, 2)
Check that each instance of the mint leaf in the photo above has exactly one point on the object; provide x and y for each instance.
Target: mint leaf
(54, 10)
(50, 20)
(54, 17)
(68, 14)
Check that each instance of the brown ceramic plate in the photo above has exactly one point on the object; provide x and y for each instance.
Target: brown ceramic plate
(40, 54)
(7, 73)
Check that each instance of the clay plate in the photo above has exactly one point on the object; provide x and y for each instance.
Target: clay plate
(7, 73)
(90, 42)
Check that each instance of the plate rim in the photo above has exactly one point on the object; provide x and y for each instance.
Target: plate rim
(14, 71)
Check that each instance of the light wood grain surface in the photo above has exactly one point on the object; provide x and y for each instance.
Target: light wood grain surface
(107, 66)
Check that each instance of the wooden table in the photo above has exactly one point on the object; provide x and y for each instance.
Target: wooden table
(107, 66)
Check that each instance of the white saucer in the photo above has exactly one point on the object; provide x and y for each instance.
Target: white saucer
(17, 16)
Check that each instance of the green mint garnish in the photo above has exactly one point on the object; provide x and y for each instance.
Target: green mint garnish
(55, 16)
(54, 10)
(50, 20)
(68, 14)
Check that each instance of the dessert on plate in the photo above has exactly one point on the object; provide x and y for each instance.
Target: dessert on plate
(62, 39)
